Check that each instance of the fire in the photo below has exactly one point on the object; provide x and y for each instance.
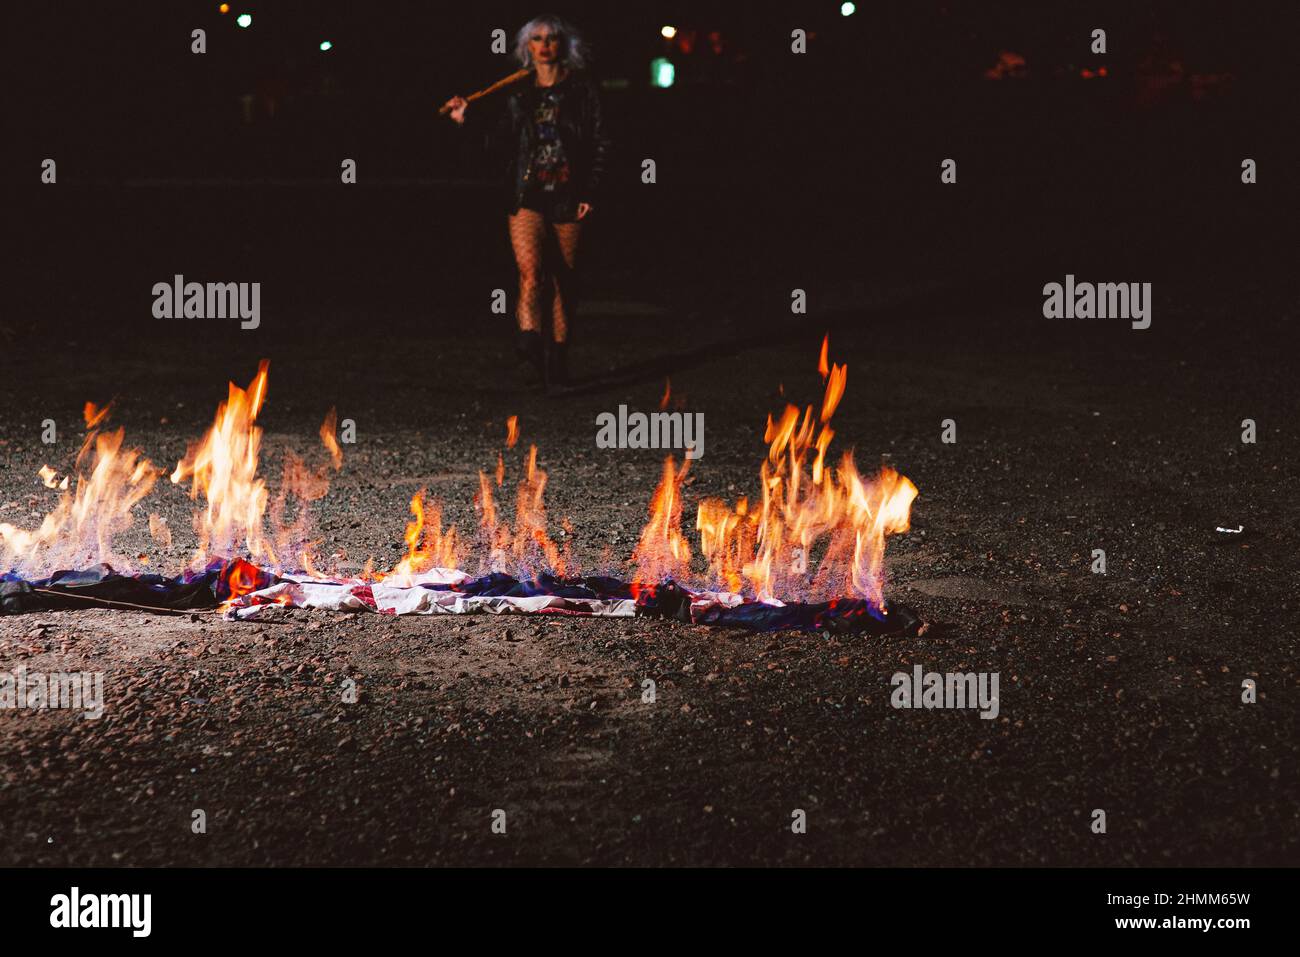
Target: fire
(816, 529)
(79, 531)
(240, 577)
(528, 549)
(94, 415)
(299, 486)
(427, 546)
(489, 531)
(50, 478)
(330, 440)
(726, 539)
(223, 468)
(767, 550)
(662, 553)
(835, 383)
(532, 548)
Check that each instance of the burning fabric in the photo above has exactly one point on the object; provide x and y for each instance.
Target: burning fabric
(760, 570)
(437, 592)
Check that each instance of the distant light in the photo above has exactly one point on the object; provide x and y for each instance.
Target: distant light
(668, 32)
(325, 45)
(244, 20)
(224, 8)
(848, 9)
(662, 73)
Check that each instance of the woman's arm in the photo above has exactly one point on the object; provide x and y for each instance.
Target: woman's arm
(491, 137)
(599, 149)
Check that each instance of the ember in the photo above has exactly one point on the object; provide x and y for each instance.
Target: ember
(756, 568)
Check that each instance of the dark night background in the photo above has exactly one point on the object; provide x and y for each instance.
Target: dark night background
(775, 171)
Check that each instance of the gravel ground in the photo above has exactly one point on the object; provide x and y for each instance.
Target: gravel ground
(1120, 692)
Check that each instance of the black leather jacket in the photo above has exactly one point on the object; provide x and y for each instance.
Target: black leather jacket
(508, 140)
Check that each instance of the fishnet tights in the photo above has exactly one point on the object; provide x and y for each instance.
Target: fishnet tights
(537, 282)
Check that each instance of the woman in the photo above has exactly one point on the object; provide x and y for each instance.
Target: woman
(550, 142)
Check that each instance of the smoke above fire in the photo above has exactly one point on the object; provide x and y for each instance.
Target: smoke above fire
(813, 531)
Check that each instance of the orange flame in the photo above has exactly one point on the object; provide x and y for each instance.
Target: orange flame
(327, 436)
(764, 546)
(529, 549)
(79, 531)
(241, 577)
(427, 546)
(532, 547)
(95, 415)
(768, 550)
(662, 552)
(493, 536)
(223, 468)
(838, 379)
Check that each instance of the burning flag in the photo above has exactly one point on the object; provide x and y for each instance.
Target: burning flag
(806, 552)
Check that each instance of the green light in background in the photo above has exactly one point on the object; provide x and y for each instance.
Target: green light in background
(325, 46)
(244, 20)
(662, 73)
(848, 9)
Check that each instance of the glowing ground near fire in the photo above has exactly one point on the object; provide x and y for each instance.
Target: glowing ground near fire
(806, 553)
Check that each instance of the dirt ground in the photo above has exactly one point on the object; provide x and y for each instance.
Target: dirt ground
(1119, 692)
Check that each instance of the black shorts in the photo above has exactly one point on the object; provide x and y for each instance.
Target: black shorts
(555, 207)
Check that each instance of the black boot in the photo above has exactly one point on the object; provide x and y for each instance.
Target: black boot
(528, 347)
(557, 366)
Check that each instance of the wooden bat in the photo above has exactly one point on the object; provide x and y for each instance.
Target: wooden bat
(506, 81)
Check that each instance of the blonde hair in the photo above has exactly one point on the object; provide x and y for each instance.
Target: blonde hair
(573, 48)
